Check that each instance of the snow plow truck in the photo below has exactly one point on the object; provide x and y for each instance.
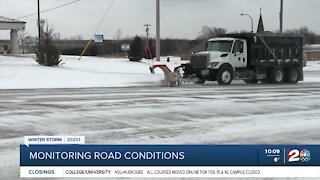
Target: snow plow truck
(249, 57)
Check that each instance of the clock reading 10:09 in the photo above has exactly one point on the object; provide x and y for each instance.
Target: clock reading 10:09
(272, 151)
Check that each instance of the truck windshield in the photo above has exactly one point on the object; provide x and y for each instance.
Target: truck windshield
(222, 46)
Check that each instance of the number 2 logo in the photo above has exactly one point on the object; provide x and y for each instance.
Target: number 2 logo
(293, 155)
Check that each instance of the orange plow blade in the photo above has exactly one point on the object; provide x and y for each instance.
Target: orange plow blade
(169, 77)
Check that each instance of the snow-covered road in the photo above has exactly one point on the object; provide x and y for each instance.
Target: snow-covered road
(210, 114)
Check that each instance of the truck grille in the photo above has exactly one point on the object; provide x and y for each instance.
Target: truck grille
(199, 61)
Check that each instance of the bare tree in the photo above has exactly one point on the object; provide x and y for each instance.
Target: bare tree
(118, 34)
(22, 39)
(117, 37)
(310, 36)
(210, 32)
(48, 54)
(76, 37)
(56, 36)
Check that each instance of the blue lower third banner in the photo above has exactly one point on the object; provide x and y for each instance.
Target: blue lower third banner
(170, 155)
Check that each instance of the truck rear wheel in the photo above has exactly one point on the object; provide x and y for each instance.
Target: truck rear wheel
(225, 75)
(292, 75)
(277, 75)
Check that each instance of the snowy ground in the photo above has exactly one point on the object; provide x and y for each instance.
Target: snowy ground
(25, 73)
(146, 113)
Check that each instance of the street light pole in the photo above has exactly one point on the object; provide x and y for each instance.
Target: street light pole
(158, 30)
(39, 30)
(251, 21)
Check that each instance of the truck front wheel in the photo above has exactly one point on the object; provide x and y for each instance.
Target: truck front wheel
(225, 75)
(292, 75)
(277, 75)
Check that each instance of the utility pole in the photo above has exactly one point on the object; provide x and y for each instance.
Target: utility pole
(39, 28)
(147, 48)
(158, 29)
(147, 31)
(281, 16)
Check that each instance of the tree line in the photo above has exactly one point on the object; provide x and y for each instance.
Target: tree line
(169, 47)
(48, 53)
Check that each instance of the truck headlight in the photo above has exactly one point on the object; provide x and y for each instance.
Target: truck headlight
(212, 65)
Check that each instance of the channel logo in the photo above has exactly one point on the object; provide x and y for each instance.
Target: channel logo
(294, 155)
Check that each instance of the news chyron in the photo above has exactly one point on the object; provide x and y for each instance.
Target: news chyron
(70, 156)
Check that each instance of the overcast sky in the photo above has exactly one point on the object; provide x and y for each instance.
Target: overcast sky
(179, 18)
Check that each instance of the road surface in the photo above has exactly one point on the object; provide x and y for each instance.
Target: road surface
(191, 114)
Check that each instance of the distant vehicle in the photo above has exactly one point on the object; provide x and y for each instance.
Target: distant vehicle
(249, 57)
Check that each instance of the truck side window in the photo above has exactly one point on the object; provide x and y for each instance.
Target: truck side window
(234, 50)
(238, 47)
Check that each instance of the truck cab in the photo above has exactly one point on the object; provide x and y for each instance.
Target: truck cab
(226, 53)
(227, 50)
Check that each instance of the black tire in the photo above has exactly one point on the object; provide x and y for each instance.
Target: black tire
(292, 75)
(277, 75)
(251, 81)
(225, 75)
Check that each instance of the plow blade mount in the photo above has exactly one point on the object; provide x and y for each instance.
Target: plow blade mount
(169, 77)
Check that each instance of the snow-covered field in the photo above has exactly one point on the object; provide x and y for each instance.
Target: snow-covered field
(113, 101)
(25, 73)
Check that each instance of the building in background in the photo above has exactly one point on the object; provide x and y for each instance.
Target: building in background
(312, 52)
(15, 26)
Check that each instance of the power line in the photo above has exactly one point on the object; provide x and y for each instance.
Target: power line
(104, 16)
(60, 6)
(100, 23)
(119, 17)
